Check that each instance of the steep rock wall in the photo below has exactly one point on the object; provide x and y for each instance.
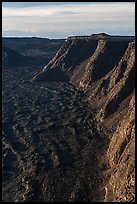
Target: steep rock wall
(104, 68)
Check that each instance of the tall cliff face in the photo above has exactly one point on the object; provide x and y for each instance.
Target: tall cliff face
(121, 156)
(103, 67)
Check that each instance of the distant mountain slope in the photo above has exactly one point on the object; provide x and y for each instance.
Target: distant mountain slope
(33, 46)
(37, 50)
(10, 57)
(103, 67)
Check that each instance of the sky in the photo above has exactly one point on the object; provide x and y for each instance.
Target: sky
(64, 19)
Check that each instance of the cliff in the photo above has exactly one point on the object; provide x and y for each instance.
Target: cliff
(103, 67)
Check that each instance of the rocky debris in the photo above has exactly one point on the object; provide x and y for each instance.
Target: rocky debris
(49, 135)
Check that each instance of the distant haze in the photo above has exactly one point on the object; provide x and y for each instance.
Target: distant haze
(63, 19)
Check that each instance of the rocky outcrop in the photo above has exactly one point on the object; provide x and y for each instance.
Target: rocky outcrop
(103, 67)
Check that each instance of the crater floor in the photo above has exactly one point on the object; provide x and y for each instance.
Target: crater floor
(52, 145)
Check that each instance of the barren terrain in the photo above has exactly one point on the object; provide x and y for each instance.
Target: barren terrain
(69, 138)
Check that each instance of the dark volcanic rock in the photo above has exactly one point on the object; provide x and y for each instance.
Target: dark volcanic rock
(55, 74)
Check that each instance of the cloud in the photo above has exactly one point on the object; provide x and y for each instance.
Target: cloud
(34, 4)
(29, 4)
(67, 17)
